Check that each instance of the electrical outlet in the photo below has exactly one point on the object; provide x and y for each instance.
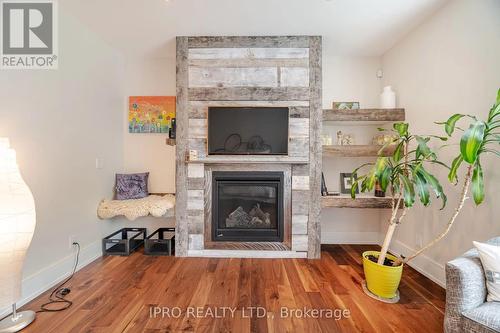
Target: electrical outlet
(72, 239)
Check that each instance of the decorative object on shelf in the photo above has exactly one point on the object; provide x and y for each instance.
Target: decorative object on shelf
(131, 186)
(18, 220)
(151, 114)
(383, 139)
(326, 139)
(345, 105)
(388, 98)
(172, 130)
(346, 181)
(379, 193)
(344, 139)
(193, 155)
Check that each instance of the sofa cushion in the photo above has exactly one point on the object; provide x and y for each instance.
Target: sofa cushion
(487, 314)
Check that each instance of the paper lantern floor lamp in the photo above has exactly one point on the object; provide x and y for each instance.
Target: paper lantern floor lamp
(17, 224)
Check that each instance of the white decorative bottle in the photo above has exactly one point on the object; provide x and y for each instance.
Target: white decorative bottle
(388, 98)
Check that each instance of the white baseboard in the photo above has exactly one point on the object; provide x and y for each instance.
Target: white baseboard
(48, 277)
(423, 264)
(332, 237)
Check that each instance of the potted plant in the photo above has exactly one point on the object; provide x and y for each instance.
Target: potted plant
(405, 176)
(481, 138)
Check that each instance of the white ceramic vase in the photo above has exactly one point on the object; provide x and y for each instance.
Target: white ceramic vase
(388, 98)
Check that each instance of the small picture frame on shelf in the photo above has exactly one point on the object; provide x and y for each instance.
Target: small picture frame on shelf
(346, 182)
(345, 105)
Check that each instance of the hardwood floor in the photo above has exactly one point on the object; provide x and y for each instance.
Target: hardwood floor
(119, 294)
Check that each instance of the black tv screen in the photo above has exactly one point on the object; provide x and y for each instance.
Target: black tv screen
(248, 130)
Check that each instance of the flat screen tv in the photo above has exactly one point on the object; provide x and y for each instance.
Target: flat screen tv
(248, 130)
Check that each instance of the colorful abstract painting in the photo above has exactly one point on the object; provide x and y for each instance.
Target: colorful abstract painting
(151, 114)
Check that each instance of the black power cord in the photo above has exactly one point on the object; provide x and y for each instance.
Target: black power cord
(58, 294)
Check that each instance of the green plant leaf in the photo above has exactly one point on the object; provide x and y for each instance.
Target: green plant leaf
(495, 110)
(471, 141)
(385, 178)
(401, 128)
(452, 175)
(398, 152)
(478, 184)
(423, 191)
(449, 125)
(422, 148)
(408, 191)
(435, 185)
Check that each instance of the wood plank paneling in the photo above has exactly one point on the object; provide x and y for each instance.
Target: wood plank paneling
(198, 128)
(195, 242)
(298, 127)
(299, 112)
(299, 224)
(196, 221)
(298, 148)
(248, 103)
(294, 77)
(300, 183)
(248, 53)
(299, 242)
(250, 62)
(248, 41)
(315, 156)
(205, 77)
(195, 170)
(249, 93)
(181, 225)
(200, 145)
(300, 202)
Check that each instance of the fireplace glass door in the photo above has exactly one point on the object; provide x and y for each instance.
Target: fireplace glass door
(247, 206)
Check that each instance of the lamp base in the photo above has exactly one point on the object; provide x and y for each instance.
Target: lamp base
(13, 324)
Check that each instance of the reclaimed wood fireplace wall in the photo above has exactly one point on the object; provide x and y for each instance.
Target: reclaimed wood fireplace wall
(282, 71)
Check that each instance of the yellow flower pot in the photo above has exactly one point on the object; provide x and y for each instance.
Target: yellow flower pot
(381, 280)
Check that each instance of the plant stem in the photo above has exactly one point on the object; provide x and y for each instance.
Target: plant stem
(452, 219)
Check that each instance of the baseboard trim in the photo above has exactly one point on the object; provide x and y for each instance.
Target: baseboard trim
(48, 277)
(332, 237)
(423, 264)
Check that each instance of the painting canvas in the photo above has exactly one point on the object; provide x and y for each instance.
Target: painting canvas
(151, 114)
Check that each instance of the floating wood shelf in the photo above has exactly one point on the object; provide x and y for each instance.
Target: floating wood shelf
(170, 142)
(368, 115)
(249, 159)
(356, 150)
(361, 201)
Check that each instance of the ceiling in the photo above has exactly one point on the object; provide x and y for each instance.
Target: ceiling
(147, 28)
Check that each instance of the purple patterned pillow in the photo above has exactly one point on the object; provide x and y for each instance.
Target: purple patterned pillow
(132, 186)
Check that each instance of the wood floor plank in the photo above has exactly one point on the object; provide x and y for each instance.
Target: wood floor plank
(118, 294)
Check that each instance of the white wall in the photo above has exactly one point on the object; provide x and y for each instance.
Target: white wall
(449, 65)
(149, 152)
(59, 122)
(347, 78)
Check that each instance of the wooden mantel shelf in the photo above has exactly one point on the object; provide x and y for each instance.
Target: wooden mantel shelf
(368, 115)
(361, 201)
(248, 159)
(356, 150)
